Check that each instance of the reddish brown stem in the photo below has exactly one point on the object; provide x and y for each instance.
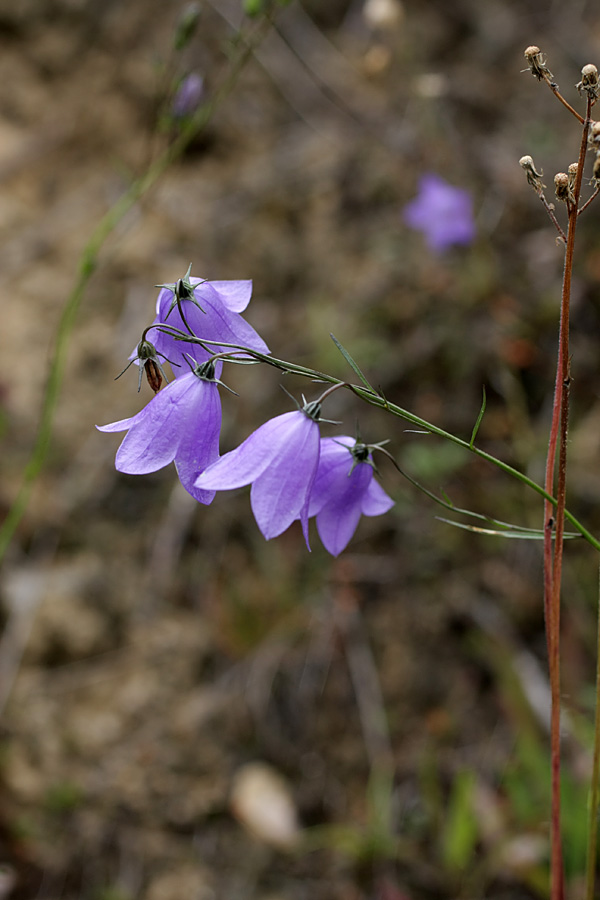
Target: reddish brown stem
(553, 561)
(550, 210)
(554, 88)
(587, 202)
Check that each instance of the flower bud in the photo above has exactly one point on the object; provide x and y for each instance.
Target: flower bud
(562, 188)
(537, 63)
(589, 82)
(186, 26)
(153, 375)
(534, 178)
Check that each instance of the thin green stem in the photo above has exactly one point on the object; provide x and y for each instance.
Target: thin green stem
(245, 48)
(370, 395)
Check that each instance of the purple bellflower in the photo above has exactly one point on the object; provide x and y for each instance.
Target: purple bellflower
(343, 490)
(207, 309)
(443, 213)
(180, 424)
(188, 96)
(280, 460)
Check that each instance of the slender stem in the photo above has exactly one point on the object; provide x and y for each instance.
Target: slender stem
(553, 576)
(87, 265)
(370, 395)
(590, 877)
(554, 88)
(549, 209)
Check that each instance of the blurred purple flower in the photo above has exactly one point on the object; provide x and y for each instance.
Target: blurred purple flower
(188, 95)
(180, 424)
(343, 490)
(211, 310)
(280, 460)
(443, 213)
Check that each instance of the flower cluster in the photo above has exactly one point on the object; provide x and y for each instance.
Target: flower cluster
(295, 473)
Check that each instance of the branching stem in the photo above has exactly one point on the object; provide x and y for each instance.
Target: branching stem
(553, 554)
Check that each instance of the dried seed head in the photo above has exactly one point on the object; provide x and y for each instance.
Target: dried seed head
(572, 173)
(562, 188)
(534, 178)
(537, 63)
(589, 74)
(589, 82)
(594, 135)
(596, 169)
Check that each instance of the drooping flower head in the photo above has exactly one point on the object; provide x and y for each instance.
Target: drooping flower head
(343, 490)
(209, 310)
(280, 460)
(443, 213)
(180, 424)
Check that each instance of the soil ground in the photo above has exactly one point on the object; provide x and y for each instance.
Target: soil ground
(190, 712)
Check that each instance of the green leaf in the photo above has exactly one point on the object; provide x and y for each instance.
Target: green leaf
(460, 829)
(513, 532)
(354, 366)
(479, 418)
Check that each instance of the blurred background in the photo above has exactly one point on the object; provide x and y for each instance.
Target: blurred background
(188, 711)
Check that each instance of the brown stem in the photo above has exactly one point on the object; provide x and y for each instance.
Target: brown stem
(554, 88)
(549, 209)
(587, 202)
(553, 565)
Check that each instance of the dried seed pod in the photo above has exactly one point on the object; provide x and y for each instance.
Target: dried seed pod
(534, 178)
(537, 63)
(589, 82)
(572, 173)
(596, 170)
(562, 188)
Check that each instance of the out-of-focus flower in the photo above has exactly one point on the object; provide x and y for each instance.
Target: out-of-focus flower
(443, 213)
(181, 424)
(208, 309)
(280, 460)
(188, 96)
(344, 490)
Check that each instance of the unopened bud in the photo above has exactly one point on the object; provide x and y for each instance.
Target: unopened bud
(537, 63)
(534, 178)
(562, 188)
(153, 375)
(146, 355)
(589, 82)
(186, 26)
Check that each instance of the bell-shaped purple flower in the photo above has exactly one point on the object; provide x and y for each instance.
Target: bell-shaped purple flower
(443, 213)
(209, 310)
(280, 460)
(343, 490)
(180, 424)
